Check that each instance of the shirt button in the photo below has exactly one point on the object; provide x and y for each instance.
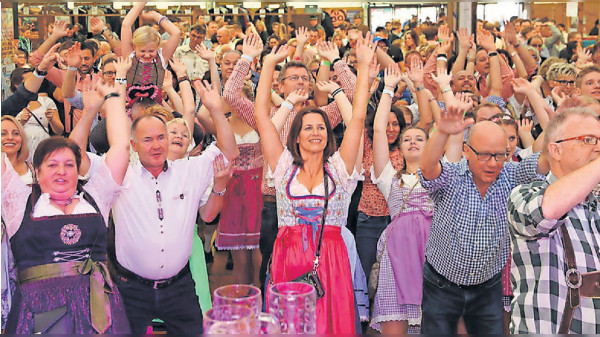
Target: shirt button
(161, 232)
(162, 250)
(162, 266)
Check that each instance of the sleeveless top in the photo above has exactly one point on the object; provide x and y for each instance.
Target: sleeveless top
(145, 79)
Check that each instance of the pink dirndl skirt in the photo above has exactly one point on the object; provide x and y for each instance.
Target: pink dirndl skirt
(335, 311)
(239, 227)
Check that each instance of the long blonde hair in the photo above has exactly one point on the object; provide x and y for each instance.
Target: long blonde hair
(23, 152)
(145, 35)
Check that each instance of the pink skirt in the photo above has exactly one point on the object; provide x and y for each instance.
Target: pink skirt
(335, 310)
(239, 227)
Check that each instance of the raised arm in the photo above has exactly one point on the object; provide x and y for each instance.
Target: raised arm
(73, 62)
(539, 106)
(365, 51)
(417, 77)
(60, 30)
(328, 52)
(118, 128)
(225, 137)
(185, 87)
(282, 114)
(126, 27)
(301, 38)
(98, 27)
(450, 123)
(510, 34)
(174, 33)
(465, 40)
(340, 98)
(486, 40)
(272, 146)
(381, 152)
(209, 56)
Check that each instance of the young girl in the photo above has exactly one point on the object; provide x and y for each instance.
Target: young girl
(145, 77)
(401, 247)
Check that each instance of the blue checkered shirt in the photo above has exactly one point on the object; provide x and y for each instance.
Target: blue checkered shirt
(539, 266)
(469, 242)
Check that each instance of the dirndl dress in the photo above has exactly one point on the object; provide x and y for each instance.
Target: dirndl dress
(400, 288)
(299, 219)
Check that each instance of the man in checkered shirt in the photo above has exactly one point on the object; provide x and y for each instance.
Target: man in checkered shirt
(535, 213)
(469, 242)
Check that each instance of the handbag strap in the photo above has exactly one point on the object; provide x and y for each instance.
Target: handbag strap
(326, 187)
(37, 120)
(573, 278)
(380, 254)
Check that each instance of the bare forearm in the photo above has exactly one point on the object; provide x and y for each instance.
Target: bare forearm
(212, 208)
(322, 75)
(56, 125)
(433, 152)
(383, 58)
(425, 113)
(459, 63)
(69, 82)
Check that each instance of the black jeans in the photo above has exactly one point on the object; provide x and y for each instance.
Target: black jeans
(176, 304)
(268, 234)
(445, 302)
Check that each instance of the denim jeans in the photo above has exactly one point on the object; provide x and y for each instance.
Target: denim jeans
(368, 231)
(176, 304)
(268, 234)
(445, 302)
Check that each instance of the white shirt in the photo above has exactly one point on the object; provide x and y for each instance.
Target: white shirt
(145, 245)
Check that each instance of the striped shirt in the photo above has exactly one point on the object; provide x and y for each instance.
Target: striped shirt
(539, 265)
(469, 240)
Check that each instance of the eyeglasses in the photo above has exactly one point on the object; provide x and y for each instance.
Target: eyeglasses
(500, 157)
(536, 45)
(497, 119)
(589, 140)
(161, 214)
(109, 73)
(568, 83)
(295, 78)
(192, 36)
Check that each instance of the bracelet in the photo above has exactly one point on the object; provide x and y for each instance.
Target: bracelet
(39, 73)
(288, 104)
(431, 99)
(248, 57)
(513, 54)
(336, 91)
(441, 40)
(222, 193)
(446, 89)
(72, 68)
(121, 80)
(442, 55)
(442, 58)
(111, 95)
(518, 45)
(419, 88)
(387, 91)
(102, 31)
(326, 63)
(182, 79)
(494, 53)
(161, 19)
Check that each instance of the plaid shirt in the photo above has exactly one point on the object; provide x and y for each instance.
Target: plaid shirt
(469, 242)
(539, 265)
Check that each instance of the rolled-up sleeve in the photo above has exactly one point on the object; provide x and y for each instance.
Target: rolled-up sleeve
(525, 213)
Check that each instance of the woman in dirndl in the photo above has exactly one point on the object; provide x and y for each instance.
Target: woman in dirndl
(58, 229)
(299, 171)
(401, 247)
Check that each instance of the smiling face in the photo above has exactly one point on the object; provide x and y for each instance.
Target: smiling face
(295, 78)
(227, 65)
(590, 85)
(147, 52)
(11, 138)
(393, 128)
(151, 142)
(513, 138)
(463, 81)
(313, 135)
(482, 62)
(179, 140)
(412, 143)
(57, 175)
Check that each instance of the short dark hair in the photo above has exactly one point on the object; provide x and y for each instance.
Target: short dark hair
(291, 64)
(292, 25)
(16, 77)
(50, 145)
(295, 129)
(198, 29)
(399, 112)
(91, 46)
(137, 121)
(430, 32)
(66, 45)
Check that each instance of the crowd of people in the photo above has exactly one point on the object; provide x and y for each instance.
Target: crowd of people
(435, 181)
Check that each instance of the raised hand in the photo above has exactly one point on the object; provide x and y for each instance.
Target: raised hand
(299, 96)
(510, 34)
(525, 126)
(178, 67)
(416, 73)
(451, 119)
(74, 58)
(464, 38)
(442, 78)
(105, 88)
(521, 86)
(252, 45)
(328, 51)
(365, 49)
(97, 25)
(327, 86)
(60, 29)
(302, 35)
(486, 40)
(151, 16)
(204, 53)
(392, 76)
(123, 64)
(209, 96)
(583, 55)
(168, 81)
(277, 55)
(446, 46)
(92, 99)
(374, 69)
(222, 173)
(558, 95)
(444, 33)
(49, 58)
(463, 101)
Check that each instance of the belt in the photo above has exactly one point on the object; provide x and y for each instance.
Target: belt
(125, 275)
(269, 198)
(100, 285)
(465, 287)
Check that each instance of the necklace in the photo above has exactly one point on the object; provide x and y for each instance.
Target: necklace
(63, 202)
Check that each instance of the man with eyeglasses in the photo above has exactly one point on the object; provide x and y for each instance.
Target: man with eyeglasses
(468, 245)
(196, 66)
(555, 233)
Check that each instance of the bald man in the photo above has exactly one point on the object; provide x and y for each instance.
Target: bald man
(544, 276)
(468, 245)
(224, 39)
